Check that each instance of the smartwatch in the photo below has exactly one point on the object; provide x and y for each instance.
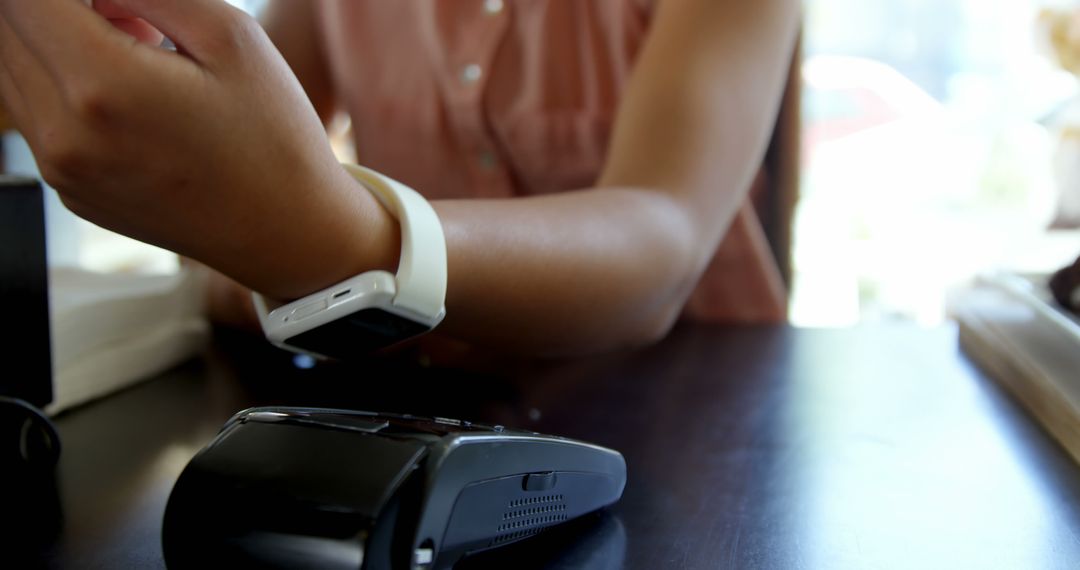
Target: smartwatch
(376, 308)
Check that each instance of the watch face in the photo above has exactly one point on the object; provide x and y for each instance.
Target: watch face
(357, 334)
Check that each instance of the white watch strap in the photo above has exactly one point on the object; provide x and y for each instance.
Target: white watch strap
(421, 275)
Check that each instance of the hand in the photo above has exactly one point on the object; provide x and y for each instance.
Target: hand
(205, 151)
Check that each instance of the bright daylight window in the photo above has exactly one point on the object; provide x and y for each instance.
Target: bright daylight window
(931, 130)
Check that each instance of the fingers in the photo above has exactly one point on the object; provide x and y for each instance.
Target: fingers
(55, 111)
(72, 41)
(127, 22)
(66, 36)
(11, 101)
(110, 10)
(199, 28)
(139, 29)
(29, 92)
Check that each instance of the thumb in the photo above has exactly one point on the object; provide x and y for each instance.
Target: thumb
(199, 28)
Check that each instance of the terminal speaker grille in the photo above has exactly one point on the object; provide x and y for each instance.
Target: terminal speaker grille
(527, 516)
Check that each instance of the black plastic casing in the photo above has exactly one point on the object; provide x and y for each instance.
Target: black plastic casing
(302, 487)
(24, 286)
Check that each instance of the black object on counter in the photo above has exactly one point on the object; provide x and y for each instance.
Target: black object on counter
(307, 487)
(1065, 285)
(24, 289)
(29, 443)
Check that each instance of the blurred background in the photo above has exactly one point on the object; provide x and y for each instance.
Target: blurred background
(935, 142)
(938, 136)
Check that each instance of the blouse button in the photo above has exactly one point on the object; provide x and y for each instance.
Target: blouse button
(493, 7)
(471, 73)
(487, 160)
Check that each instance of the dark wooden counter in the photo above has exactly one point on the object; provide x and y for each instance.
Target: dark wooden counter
(876, 447)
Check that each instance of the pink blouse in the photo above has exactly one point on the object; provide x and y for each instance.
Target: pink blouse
(502, 98)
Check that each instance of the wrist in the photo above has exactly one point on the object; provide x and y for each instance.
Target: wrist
(374, 308)
(339, 230)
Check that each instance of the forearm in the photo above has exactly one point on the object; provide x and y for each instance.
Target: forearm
(568, 273)
(613, 266)
(698, 114)
(294, 30)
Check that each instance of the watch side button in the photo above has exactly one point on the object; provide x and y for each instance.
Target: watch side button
(307, 310)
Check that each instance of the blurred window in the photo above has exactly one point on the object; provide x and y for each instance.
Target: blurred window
(931, 130)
